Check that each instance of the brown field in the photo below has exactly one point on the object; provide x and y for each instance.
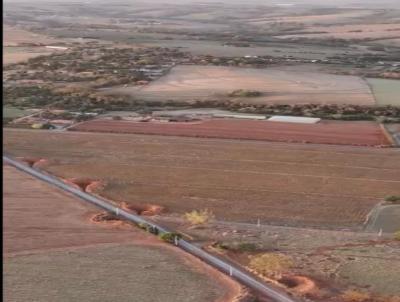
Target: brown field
(279, 85)
(13, 54)
(362, 31)
(54, 253)
(332, 132)
(15, 37)
(65, 218)
(341, 17)
(313, 185)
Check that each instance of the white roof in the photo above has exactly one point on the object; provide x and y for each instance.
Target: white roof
(243, 116)
(294, 119)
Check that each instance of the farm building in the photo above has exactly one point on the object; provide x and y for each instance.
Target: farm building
(294, 119)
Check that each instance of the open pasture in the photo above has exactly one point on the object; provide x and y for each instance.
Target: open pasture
(280, 86)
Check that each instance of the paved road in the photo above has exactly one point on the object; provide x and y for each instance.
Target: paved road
(241, 276)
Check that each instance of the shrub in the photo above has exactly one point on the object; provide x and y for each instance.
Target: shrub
(199, 217)
(169, 237)
(395, 199)
(355, 296)
(148, 228)
(244, 93)
(270, 264)
(397, 235)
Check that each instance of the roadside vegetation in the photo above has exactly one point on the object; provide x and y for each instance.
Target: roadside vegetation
(200, 217)
(393, 199)
(271, 265)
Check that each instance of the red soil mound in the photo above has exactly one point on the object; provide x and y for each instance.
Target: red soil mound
(33, 162)
(84, 184)
(104, 217)
(143, 210)
(300, 284)
(327, 132)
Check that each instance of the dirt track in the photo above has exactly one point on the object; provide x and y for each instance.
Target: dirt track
(298, 184)
(341, 133)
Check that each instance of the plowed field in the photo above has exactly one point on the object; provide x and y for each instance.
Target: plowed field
(341, 133)
(312, 185)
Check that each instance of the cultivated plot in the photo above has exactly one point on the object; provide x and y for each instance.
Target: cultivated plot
(327, 132)
(313, 185)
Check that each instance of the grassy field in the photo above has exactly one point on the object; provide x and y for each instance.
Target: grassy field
(278, 86)
(12, 112)
(387, 92)
(294, 184)
(54, 252)
(375, 267)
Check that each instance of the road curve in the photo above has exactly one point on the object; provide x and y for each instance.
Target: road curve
(241, 276)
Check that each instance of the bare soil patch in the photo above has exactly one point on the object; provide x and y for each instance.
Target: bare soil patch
(14, 36)
(332, 132)
(21, 45)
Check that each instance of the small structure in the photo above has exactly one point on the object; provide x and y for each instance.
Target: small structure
(294, 119)
(240, 116)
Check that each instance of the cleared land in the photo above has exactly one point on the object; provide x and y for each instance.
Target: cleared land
(54, 253)
(14, 54)
(314, 185)
(341, 133)
(184, 83)
(387, 92)
(21, 45)
(14, 36)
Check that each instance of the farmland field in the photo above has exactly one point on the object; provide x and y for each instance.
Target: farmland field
(185, 83)
(14, 37)
(313, 185)
(327, 132)
(13, 112)
(387, 92)
(53, 252)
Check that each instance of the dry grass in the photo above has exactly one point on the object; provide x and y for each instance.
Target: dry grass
(355, 296)
(270, 264)
(275, 85)
(199, 217)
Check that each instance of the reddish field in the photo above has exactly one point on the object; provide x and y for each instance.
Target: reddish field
(332, 132)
